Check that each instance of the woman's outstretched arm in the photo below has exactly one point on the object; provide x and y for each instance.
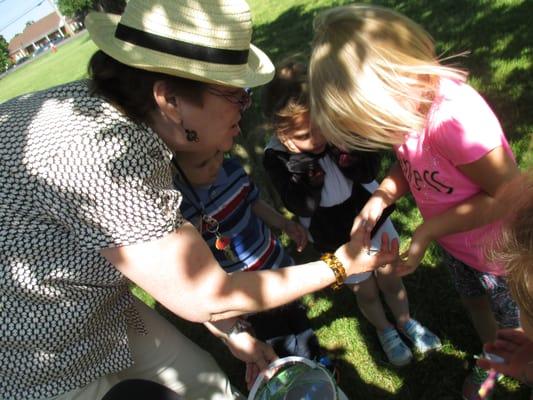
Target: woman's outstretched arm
(180, 272)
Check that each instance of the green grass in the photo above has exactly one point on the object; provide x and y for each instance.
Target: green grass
(499, 36)
(69, 63)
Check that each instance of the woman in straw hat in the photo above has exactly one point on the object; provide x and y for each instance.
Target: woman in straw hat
(87, 204)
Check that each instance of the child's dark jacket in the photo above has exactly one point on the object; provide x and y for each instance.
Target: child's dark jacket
(299, 180)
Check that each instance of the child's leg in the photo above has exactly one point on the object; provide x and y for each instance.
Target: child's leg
(369, 302)
(488, 302)
(504, 308)
(481, 315)
(475, 299)
(394, 293)
(367, 294)
(391, 286)
(396, 298)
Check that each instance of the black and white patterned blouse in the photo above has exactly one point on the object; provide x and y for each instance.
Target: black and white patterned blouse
(76, 176)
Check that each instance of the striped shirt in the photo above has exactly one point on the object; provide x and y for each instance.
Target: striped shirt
(229, 200)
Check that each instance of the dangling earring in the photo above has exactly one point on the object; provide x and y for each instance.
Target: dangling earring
(192, 136)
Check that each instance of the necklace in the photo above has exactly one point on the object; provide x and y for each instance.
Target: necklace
(222, 243)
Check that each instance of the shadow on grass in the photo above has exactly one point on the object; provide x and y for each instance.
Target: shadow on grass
(436, 306)
(434, 302)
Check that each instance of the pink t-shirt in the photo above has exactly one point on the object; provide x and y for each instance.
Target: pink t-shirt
(461, 129)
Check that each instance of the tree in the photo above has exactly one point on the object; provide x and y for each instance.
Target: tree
(29, 23)
(80, 8)
(74, 8)
(4, 54)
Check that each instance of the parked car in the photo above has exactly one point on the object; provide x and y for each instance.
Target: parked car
(57, 40)
(40, 50)
(22, 59)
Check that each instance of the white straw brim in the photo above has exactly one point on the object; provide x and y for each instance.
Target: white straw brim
(101, 26)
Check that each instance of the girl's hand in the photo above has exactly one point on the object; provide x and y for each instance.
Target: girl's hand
(256, 354)
(516, 349)
(410, 259)
(369, 215)
(297, 233)
(356, 258)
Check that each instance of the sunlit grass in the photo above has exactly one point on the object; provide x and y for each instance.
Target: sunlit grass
(69, 63)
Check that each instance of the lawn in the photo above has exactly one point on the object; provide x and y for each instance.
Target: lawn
(498, 34)
(69, 63)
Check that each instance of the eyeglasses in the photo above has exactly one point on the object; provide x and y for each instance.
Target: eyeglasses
(243, 97)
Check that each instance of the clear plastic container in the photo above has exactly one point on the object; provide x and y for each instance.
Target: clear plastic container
(294, 378)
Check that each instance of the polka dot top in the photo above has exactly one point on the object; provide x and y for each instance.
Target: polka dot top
(76, 176)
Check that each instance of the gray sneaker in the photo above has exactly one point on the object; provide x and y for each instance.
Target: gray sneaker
(423, 339)
(396, 350)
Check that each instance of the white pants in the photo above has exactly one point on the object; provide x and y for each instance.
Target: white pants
(165, 356)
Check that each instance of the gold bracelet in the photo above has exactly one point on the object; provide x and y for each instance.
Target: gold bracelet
(336, 266)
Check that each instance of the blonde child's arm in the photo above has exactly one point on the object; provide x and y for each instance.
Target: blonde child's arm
(389, 191)
(491, 173)
(275, 220)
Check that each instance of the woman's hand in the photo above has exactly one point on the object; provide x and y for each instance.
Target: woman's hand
(297, 233)
(516, 349)
(256, 354)
(410, 259)
(357, 258)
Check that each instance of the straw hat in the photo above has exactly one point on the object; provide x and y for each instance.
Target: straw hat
(204, 40)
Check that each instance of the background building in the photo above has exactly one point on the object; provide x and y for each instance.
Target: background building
(41, 34)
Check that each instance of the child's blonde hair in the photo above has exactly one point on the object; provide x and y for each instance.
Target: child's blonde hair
(285, 99)
(515, 247)
(373, 75)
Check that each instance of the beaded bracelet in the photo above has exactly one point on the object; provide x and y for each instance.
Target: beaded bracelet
(336, 266)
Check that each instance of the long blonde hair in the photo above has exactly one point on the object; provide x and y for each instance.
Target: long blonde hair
(373, 76)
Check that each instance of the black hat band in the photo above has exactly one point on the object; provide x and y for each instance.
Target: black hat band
(179, 48)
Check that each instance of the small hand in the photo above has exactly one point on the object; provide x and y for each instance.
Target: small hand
(368, 217)
(517, 351)
(297, 233)
(256, 354)
(410, 259)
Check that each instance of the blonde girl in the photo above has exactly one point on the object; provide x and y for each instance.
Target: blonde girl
(375, 82)
(326, 188)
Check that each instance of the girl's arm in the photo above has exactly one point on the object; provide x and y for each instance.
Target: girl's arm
(491, 173)
(180, 271)
(390, 190)
(275, 220)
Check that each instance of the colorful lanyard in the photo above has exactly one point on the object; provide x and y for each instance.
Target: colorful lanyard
(222, 243)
